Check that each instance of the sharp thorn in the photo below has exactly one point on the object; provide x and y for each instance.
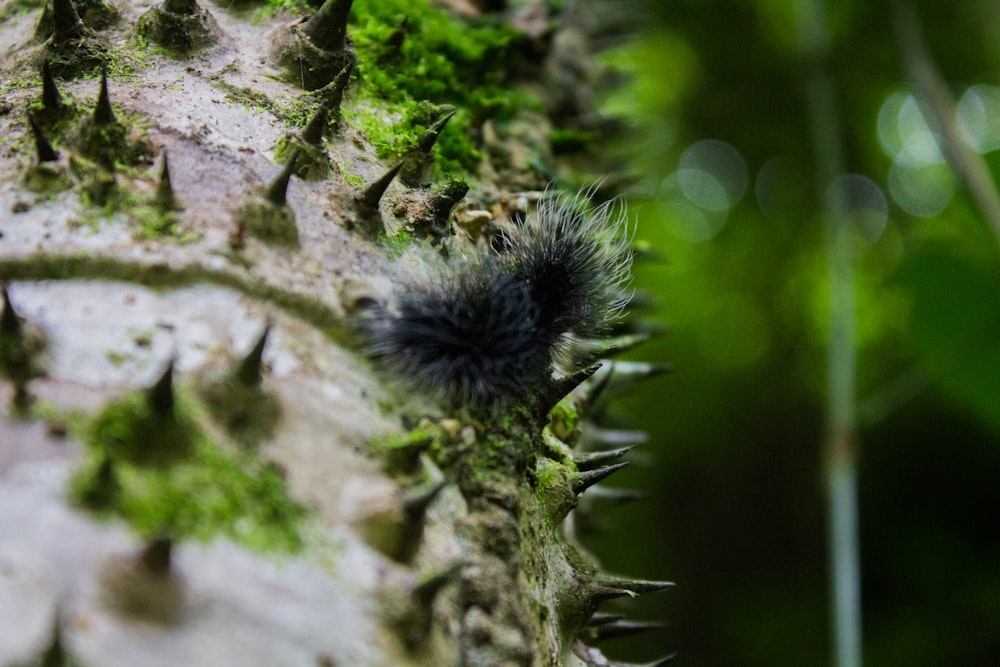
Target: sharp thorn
(277, 192)
(621, 628)
(427, 590)
(10, 322)
(314, 130)
(620, 344)
(248, 373)
(432, 133)
(156, 556)
(598, 593)
(640, 370)
(103, 113)
(595, 437)
(626, 374)
(614, 496)
(161, 395)
(599, 619)
(327, 28)
(662, 662)
(445, 199)
(587, 479)
(333, 92)
(636, 586)
(417, 500)
(66, 21)
(180, 7)
(166, 200)
(103, 491)
(592, 460)
(559, 389)
(642, 300)
(43, 149)
(51, 98)
(55, 653)
(369, 196)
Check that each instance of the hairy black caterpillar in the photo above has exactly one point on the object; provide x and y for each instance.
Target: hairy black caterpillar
(492, 331)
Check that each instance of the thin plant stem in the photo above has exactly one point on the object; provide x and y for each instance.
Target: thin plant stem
(937, 105)
(841, 444)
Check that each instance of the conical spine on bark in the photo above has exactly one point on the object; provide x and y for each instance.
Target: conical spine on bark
(327, 29)
(51, 98)
(587, 479)
(333, 93)
(156, 556)
(10, 322)
(622, 628)
(316, 128)
(592, 460)
(66, 21)
(181, 7)
(370, 196)
(277, 192)
(160, 396)
(430, 136)
(43, 148)
(165, 199)
(637, 586)
(662, 662)
(103, 113)
(559, 389)
(248, 372)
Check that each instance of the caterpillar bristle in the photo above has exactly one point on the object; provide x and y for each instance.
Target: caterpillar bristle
(495, 329)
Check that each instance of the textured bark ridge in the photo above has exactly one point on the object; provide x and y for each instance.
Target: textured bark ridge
(198, 465)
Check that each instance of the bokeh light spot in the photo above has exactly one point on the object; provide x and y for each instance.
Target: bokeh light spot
(867, 206)
(921, 190)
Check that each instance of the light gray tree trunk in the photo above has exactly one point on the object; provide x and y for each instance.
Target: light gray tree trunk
(198, 466)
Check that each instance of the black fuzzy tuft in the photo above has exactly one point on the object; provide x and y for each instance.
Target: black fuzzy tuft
(491, 333)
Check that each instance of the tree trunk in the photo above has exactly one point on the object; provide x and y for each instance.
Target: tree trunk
(199, 464)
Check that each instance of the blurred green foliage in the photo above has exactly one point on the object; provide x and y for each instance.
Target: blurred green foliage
(736, 458)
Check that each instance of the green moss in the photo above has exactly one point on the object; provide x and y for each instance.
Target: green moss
(401, 452)
(272, 7)
(76, 421)
(354, 180)
(312, 162)
(212, 493)
(268, 222)
(162, 473)
(133, 430)
(571, 141)
(564, 422)
(248, 413)
(396, 243)
(413, 57)
(294, 113)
